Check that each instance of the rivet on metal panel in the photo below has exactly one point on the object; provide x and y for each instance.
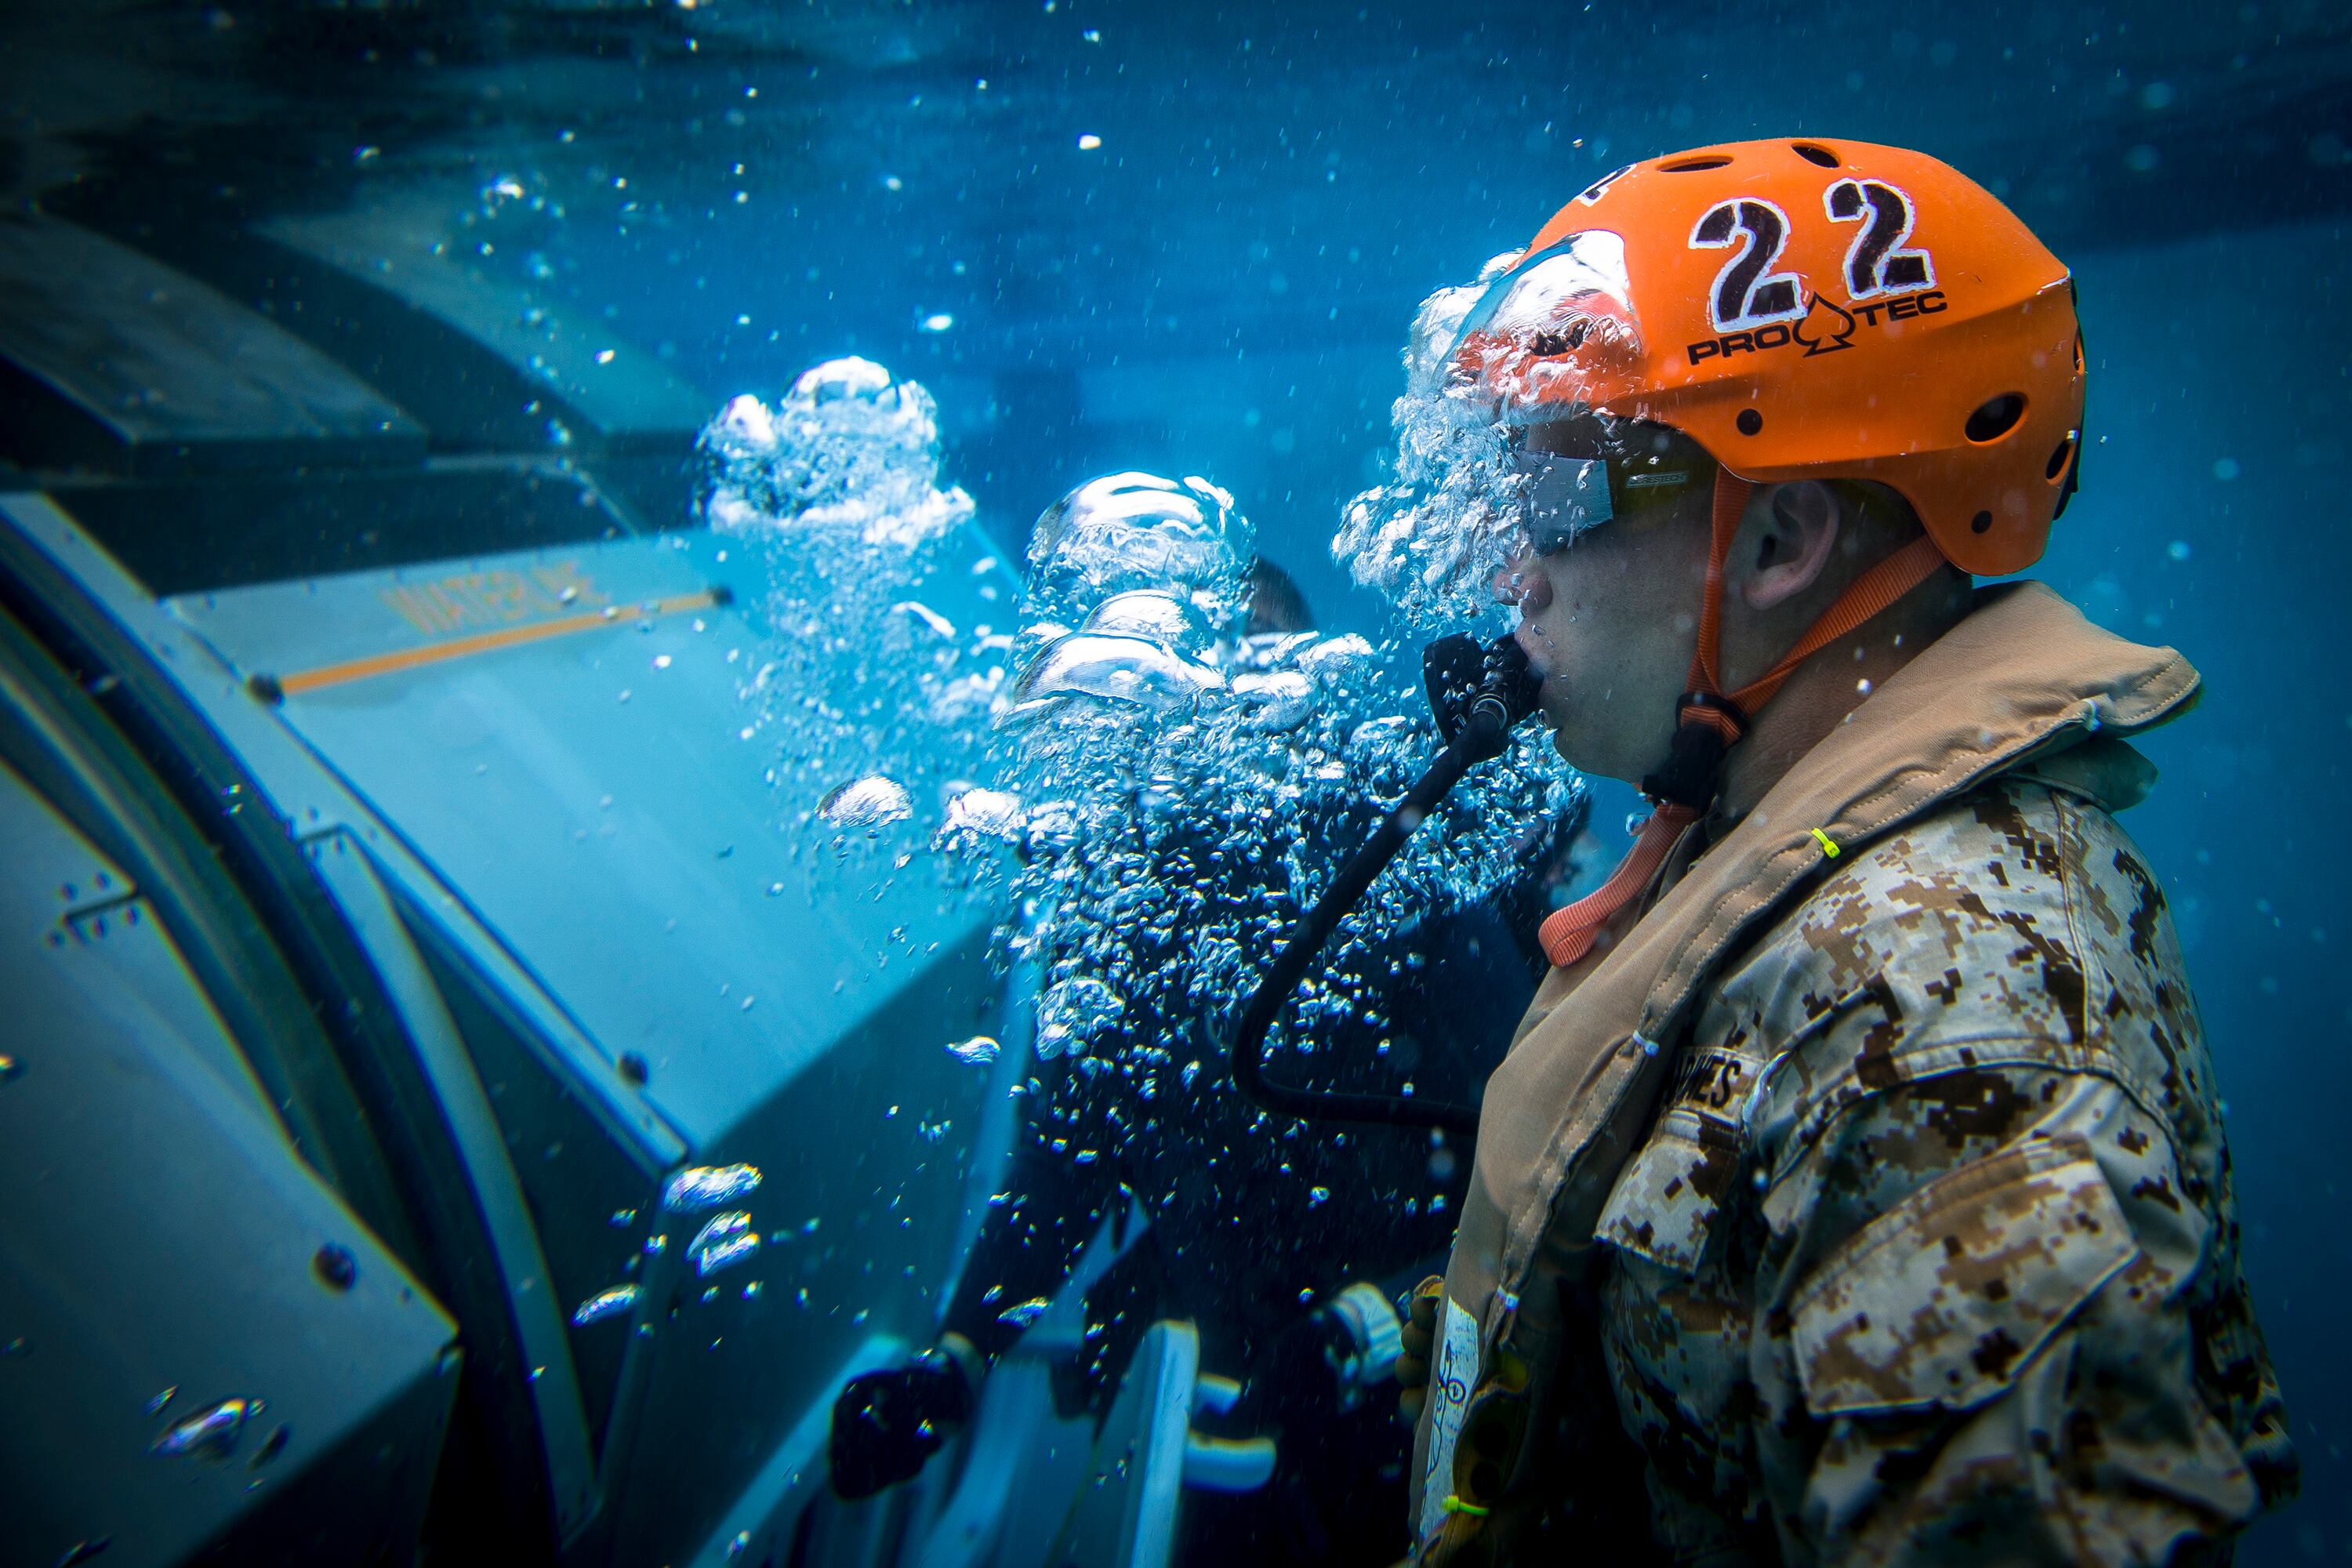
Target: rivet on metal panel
(336, 1266)
(634, 1068)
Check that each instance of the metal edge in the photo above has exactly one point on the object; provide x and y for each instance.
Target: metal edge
(352, 879)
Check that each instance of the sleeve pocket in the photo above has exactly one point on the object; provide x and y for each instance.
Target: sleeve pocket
(1938, 1300)
(1665, 1205)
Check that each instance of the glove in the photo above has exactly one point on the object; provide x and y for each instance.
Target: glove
(886, 1425)
(1327, 1360)
(1362, 1351)
(1418, 1336)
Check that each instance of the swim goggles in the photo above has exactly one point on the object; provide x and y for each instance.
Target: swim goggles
(1568, 495)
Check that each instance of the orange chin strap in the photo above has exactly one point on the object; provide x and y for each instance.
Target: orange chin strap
(1718, 721)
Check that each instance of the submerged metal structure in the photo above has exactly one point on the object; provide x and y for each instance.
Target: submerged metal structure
(403, 953)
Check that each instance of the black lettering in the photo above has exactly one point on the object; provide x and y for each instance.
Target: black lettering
(1901, 310)
(1766, 340)
(1706, 349)
(1739, 343)
(1932, 301)
(1869, 313)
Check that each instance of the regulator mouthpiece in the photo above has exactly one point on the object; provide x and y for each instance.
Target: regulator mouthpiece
(1467, 680)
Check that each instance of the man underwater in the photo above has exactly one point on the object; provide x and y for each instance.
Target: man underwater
(1862, 1146)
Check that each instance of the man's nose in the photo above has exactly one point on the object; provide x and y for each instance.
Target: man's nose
(1521, 581)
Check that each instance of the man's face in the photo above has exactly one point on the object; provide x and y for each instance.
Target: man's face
(1610, 620)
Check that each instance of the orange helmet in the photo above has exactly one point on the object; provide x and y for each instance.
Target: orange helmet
(1808, 309)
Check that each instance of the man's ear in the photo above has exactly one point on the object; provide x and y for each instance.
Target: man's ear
(1802, 526)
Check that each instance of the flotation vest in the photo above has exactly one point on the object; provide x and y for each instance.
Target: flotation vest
(2022, 681)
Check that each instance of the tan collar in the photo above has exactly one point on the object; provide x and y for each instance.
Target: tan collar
(2023, 680)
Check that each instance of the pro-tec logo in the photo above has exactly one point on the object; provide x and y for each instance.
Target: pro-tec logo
(1824, 328)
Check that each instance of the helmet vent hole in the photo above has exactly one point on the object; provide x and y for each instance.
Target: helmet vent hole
(1812, 153)
(1693, 165)
(2058, 457)
(1996, 417)
(1980, 523)
(1749, 422)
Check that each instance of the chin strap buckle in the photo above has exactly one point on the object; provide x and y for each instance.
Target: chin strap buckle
(1708, 727)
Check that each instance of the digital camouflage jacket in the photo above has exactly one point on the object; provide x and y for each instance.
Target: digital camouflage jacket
(1915, 1241)
(1932, 1255)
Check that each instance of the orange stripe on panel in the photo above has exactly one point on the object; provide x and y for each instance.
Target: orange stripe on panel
(400, 659)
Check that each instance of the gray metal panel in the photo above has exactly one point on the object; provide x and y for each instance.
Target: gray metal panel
(86, 898)
(864, 1155)
(610, 394)
(864, 1126)
(588, 798)
(311, 797)
(121, 362)
(161, 1235)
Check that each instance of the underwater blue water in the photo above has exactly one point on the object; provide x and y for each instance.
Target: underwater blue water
(1189, 240)
(1193, 245)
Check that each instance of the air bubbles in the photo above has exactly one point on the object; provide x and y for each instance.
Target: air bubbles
(1023, 1313)
(991, 814)
(709, 1186)
(850, 454)
(211, 1433)
(725, 1240)
(1133, 671)
(866, 805)
(977, 1051)
(1089, 142)
(1073, 1012)
(1138, 531)
(616, 1303)
(2226, 469)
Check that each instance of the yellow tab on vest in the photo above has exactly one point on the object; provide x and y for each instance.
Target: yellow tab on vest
(1828, 844)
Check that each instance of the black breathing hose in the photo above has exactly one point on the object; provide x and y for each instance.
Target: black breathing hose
(1477, 695)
